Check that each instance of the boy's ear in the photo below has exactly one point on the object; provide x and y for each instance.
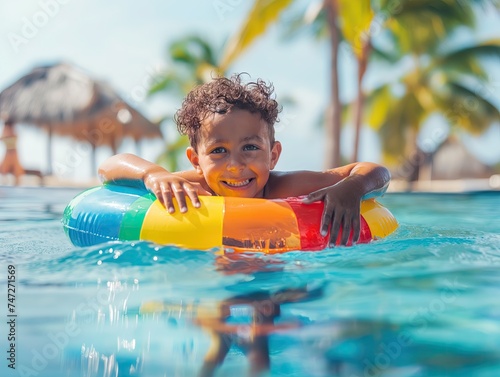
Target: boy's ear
(193, 157)
(275, 154)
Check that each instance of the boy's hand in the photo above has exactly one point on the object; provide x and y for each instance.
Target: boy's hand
(342, 208)
(166, 185)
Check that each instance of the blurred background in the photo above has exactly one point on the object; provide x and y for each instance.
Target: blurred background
(411, 84)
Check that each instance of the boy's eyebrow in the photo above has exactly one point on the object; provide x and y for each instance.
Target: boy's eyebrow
(253, 137)
(245, 139)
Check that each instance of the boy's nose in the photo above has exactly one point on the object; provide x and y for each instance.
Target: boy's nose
(235, 164)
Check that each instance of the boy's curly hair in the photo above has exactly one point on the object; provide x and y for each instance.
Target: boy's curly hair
(220, 95)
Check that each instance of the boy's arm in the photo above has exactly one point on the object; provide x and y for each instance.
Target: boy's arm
(343, 200)
(131, 170)
(369, 178)
(341, 189)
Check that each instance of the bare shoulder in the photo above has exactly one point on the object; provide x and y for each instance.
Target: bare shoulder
(300, 182)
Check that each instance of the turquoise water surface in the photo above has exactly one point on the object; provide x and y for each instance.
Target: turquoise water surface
(422, 302)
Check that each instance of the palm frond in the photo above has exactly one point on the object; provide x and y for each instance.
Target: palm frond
(420, 25)
(468, 109)
(167, 82)
(384, 55)
(355, 18)
(378, 105)
(311, 21)
(452, 12)
(263, 14)
(192, 50)
(405, 113)
(466, 61)
(489, 48)
(470, 66)
(392, 136)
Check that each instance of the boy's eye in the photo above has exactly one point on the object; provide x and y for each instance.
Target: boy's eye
(218, 150)
(250, 147)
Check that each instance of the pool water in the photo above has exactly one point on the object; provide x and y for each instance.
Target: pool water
(422, 302)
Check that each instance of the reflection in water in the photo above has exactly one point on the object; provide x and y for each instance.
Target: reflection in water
(240, 263)
(259, 243)
(244, 321)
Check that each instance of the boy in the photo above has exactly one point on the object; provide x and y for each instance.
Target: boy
(230, 126)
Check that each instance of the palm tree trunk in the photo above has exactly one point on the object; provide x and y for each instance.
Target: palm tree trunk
(358, 106)
(335, 122)
(358, 109)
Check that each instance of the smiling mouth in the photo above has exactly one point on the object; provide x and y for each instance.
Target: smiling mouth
(238, 183)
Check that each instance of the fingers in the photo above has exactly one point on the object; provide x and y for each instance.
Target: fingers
(346, 232)
(349, 229)
(164, 195)
(193, 195)
(313, 197)
(356, 228)
(180, 191)
(345, 226)
(167, 186)
(325, 222)
(331, 219)
(180, 196)
(165, 198)
(334, 230)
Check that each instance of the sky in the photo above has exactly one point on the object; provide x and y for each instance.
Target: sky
(123, 42)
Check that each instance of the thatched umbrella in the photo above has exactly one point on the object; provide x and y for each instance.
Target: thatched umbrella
(452, 160)
(64, 100)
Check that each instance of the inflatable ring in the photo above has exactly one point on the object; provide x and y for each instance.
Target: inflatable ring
(113, 212)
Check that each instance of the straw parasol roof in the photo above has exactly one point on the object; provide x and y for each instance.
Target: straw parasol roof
(452, 160)
(65, 100)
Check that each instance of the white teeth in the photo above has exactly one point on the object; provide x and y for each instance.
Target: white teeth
(238, 184)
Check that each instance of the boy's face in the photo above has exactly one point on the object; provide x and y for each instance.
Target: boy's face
(234, 153)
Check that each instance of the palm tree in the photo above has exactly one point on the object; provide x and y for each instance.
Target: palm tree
(193, 61)
(418, 26)
(356, 18)
(447, 82)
